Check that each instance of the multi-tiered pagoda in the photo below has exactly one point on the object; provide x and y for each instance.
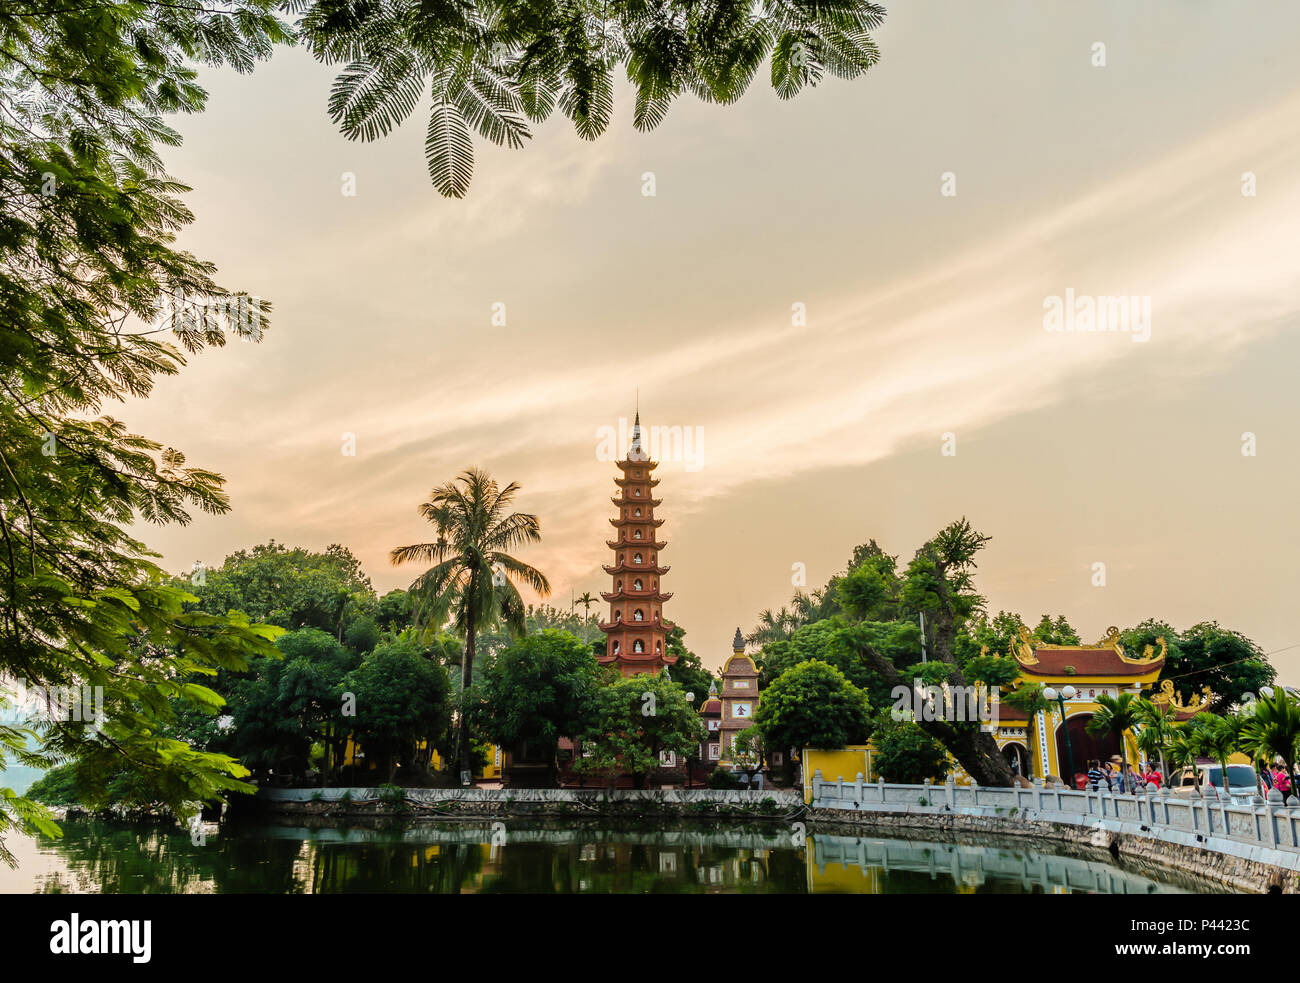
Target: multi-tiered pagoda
(636, 635)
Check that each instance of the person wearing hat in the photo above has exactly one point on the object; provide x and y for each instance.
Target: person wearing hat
(1111, 771)
(1119, 773)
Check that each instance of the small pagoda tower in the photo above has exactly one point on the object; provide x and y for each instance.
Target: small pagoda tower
(739, 695)
(636, 635)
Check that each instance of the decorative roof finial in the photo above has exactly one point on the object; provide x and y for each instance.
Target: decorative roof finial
(738, 643)
(635, 452)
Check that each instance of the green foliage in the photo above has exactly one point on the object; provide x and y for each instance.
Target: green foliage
(495, 67)
(720, 778)
(812, 705)
(747, 751)
(540, 688)
(284, 704)
(402, 701)
(544, 617)
(1272, 730)
(1226, 661)
(780, 625)
(636, 719)
(688, 670)
(291, 587)
(1156, 727)
(394, 612)
(906, 754)
(57, 787)
(95, 304)
(870, 590)
(1215, 737)
(1115, 715)
(471, 582)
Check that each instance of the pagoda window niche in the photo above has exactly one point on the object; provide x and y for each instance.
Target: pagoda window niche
(637, 534)
(638, 646)
(636, 492)
(638, 615)
(616, 648)
(636, 558)
(636, 585)
(658, 645)
(637, 513)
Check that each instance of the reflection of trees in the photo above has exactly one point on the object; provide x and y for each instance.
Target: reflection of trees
(394, 867)
(110, 858)
(103, 857)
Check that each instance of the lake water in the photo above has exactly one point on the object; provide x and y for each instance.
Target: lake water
(514, 857)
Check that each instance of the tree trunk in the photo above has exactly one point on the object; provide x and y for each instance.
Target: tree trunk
(466, 674)
(975, 750)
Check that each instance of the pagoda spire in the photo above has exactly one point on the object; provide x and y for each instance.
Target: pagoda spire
(636, 634)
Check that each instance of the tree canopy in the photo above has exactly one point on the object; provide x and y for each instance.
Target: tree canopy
(497, 66)
(812, 705)
(540, 688)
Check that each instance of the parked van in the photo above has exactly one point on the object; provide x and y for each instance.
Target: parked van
(1242, 781)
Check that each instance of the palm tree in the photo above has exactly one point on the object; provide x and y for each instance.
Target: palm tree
(1115, 715)
(586, 600)
(1274, 730)
(772, 627)
(1181, 749)
(1215, 738)
(471, 582)
(1156, 721)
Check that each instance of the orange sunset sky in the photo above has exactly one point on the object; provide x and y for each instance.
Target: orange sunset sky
(924, 317)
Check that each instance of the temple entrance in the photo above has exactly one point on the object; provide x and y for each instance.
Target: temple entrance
(1085, 747)
(1018, 758)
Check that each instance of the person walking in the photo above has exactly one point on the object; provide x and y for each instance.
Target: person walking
(1281, 780)
(1095, 775)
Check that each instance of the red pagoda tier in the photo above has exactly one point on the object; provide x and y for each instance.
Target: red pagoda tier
(636, 634)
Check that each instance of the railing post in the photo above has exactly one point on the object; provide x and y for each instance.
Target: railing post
(1271, 803)
(858, 797)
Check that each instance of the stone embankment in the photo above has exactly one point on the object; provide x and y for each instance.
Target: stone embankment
(1249, 847)
(474, 803)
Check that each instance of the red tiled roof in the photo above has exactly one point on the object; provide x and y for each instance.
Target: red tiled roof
(713, 705)
(1087, 662)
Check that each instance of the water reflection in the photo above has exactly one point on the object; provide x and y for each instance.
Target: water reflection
(487, 858)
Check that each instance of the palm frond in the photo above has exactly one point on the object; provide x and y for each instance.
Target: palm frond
(371, 98)
(449, 151)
